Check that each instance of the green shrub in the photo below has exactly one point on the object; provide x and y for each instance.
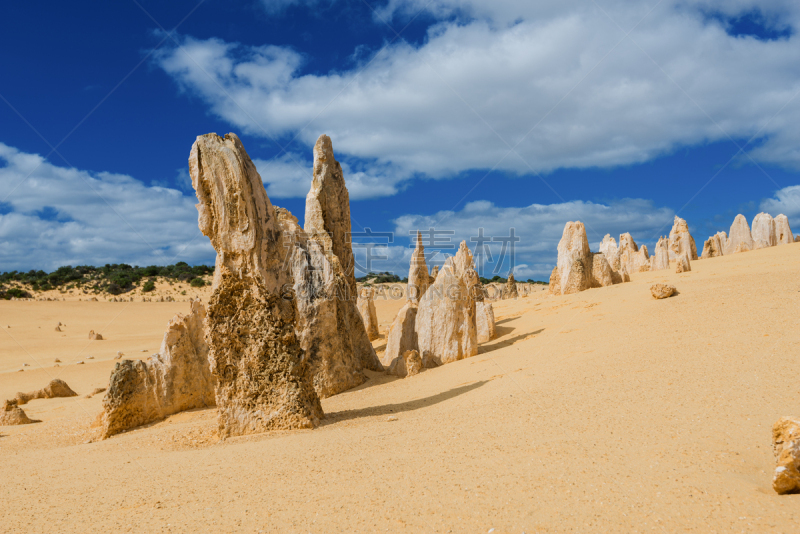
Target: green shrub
(197, 282)
(149, 286)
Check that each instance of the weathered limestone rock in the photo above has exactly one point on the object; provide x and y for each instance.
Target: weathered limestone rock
(445, 322)
(739, 238)
(786, 447)
(574, 259)
(418, 279)
(484, 321)
(434, 274)
(601, 275)
(641, 260)
(662, 257)
(608, 247)
(95, 337)
(554, 286)
(783, 232)
(713, 247)
(682, 264)
(510, 291)
(329, 325)
(763, 232)
(680, 241)
(627, 253)
(662, 291)
(12, 414)
(402, 336)
(176, 379)
(366, 307)
(409, 365)
(56, 388)
(261, 370)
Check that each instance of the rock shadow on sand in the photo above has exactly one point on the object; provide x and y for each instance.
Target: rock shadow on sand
(394, 409)
(483, 349)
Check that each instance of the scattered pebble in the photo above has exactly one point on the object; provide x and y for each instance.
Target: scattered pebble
(392, 418)
(57, 360)
(26, 365)
(90, 357)
(119, 355)
(79, 363)
(143, 350)
(21, 370)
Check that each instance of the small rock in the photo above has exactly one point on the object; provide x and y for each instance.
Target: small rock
(79, 363)
(57, 360)
(26, 365)
(21, 370)
(119, 355)
(94, 336)
(392, 418)
(662, 291)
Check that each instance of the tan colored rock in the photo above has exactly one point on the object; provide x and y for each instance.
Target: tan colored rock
(662, 291)
(602, 275)
(661, 259)
(95, 337)
(176, 379)
(609, 249)
(255, 355)
(628, 251)
(681, 241)
(511, 288)
(418, 279)
(12, 414)
(682, 264)
(739, 238)
(484, 321)
(434, 274)
(366, 307)
(763, 231)
(55, 389)
(445, 322)
(402, 336)
(783, 232)
(786, 447)
(574, 259)
(409, 365)
(713, 247)
(641, 260)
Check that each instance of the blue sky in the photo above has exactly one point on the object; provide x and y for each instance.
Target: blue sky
(457, 114)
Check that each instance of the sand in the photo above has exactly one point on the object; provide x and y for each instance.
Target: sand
(602, 411)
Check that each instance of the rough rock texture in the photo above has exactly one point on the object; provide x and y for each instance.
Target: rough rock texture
(783, 232)
(608, 247)
(641, 260)
(713, 247)
(574, 261)
(627, 253)
(418, 278)
(602, 275)
(739, 238)
(484, 321)
(786, 447)
(554, 286)
(176, 379)
(261, 370)
(95, 337)
(763, 231)
(366, 307)
(662, 291)
(445, 322)
(434, 274)
(681, 241)
(510, 291)
(409, 365)
(682, 264)
(797, 239)
(662, 256)
(12, 414)
(402, 336)
(330, 326)
(56, 388)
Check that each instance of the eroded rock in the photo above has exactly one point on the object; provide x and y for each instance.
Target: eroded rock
(574, 260)
(418, 278)
(786, 447)
(12, 414)
(661, 259)
(739, 238)
(682, 264)
(783, 232)
(763, 231)
(484, 321)
(366, 307)
(56, 388)
(662, 291)
(609, 249)
(94, 336)
(602, 275)
(409, 364)
(713, 247)
(681, 241)
(511, 288)
(402, 335)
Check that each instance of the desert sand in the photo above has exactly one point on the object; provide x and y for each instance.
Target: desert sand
(604, 410)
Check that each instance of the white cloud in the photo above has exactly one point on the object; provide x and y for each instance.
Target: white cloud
(787, 202)
(62, 216)
(556, 80)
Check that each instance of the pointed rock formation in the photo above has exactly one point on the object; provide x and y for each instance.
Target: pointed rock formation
(176, 379)
(681, 241)
(641, 260)
(661, 259)
(56, 388)
(713, 247)
(682, 264)
(510, 291)
(366, 307)
(783, 233)
(574, 265)
(739, 238)
(763, 232)
(627, 253)
(786, 448)
(608, 247)
(602, 274)
(434, 274)
(402, 336)
(11, 414)
(445, 322)
(261, 370)
(418, 279)
(484, 321)
(409, 365)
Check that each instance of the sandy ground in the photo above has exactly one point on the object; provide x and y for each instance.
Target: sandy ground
(601, 411)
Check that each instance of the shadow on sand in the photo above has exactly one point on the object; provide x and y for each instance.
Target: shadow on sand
(394, 409)
(483, 349)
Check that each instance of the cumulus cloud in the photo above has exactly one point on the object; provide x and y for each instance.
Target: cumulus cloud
(556, 81)
(62, 216)
(787, 202)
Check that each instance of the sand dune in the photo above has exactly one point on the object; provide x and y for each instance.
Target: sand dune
(604, 410)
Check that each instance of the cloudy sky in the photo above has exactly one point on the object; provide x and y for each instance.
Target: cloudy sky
(456, 115)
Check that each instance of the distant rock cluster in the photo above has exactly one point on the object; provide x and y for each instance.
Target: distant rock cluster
(766, 232)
